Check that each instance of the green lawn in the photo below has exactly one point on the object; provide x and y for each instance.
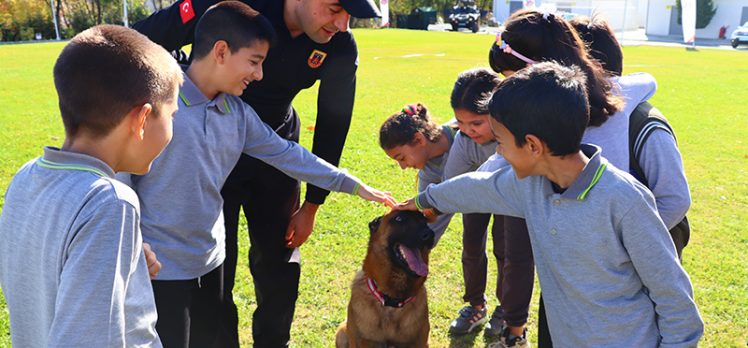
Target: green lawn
(698, 91)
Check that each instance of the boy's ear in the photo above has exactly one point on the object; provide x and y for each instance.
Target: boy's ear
(137, 117)
(220, 51)
(535, 145)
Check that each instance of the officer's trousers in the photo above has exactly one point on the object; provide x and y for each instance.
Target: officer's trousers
(268, 198)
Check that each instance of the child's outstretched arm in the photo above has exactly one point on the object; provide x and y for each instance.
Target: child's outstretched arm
(476, 192)
(374, 195)
(301, 225)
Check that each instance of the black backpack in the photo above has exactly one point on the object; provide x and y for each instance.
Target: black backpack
(644, 120)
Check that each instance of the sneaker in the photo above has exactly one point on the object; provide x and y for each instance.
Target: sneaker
(469, 319)
(508, 340)
(496, 324)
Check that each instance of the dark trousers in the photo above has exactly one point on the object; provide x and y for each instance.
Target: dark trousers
(268, 198)
(189, 312)
(511, 247)
(544, 333)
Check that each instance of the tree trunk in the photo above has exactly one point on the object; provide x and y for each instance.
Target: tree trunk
(98, 11)
(58, 9)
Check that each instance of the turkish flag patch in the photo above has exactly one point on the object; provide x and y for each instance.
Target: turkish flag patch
(316, 59)
(186, 11)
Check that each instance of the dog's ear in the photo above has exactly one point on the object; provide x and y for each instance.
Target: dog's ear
(374, 224)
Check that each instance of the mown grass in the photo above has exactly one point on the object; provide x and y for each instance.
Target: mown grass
(700, 92)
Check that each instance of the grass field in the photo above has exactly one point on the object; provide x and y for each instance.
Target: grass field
(700, 92)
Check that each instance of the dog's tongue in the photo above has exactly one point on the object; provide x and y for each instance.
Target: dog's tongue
(415, 262)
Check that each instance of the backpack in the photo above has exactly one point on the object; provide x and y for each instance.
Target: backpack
(643, 121)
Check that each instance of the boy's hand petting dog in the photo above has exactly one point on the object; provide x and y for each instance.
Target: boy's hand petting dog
(154, 266)
(407, 205)
(411, 205)
(372, 194)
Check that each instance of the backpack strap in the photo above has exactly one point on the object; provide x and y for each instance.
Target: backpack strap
(642, 123)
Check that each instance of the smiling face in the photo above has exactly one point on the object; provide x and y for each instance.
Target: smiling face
(321, 19)
(413, 155)
(475, 126)
(242, 67)
(519, 157)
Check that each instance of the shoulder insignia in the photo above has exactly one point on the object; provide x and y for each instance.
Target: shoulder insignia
(186, 11)
(315, 59)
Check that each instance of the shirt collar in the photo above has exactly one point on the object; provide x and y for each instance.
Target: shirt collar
(190, 95)
(590, 175)
(55, 158)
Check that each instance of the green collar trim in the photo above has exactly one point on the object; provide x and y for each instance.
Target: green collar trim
(226, 104)
(598, 173)
(184, 98)
(54, 165)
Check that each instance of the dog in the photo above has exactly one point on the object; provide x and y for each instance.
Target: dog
(388, 306)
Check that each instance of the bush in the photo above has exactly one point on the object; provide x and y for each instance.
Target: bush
(80, 20)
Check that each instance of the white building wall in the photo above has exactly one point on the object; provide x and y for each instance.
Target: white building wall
(658, 17)
(728, 13)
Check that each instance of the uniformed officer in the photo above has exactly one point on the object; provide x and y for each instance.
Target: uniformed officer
(313, 44)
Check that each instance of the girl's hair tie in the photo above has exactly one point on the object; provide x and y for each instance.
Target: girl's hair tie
(508, 50)
(410, 110)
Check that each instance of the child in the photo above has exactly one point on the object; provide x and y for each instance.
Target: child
(613, 280)
(659, 165)
(182, 205)
(473, 144)
(414, 140)
(532, 36)
(71, 255)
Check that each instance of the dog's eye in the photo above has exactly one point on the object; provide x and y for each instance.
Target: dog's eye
(399, 218)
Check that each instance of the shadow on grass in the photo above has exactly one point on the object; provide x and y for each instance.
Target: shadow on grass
(475, 339)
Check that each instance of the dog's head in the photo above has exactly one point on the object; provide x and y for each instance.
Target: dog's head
(405, 239)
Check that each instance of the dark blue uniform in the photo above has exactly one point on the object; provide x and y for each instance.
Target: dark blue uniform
(268, 196)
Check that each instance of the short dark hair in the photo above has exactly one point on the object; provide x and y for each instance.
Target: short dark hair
(473, 89)
(545, 37)
(106, 71)
(401, 127)
(236, 23)
(601, 42)
(547, 100)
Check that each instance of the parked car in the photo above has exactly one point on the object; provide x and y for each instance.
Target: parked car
(465, 15)
(739, 36)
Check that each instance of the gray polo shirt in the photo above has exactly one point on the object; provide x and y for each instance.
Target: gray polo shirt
(433, 173)
(607, 266)
(466, 155)
(71, 258)
(182, 208)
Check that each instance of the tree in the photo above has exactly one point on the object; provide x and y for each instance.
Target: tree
(705, 11)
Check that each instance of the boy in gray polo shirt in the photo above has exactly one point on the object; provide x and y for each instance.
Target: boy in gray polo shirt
(182, 206)
(72, 267)
(607, 266)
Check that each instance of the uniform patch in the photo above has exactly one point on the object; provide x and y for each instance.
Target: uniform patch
(186, 11)
(315, 59)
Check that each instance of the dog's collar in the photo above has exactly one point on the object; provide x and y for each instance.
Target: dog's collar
(383, 298)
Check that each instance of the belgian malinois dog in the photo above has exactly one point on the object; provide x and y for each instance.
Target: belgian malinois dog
(388, 306)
